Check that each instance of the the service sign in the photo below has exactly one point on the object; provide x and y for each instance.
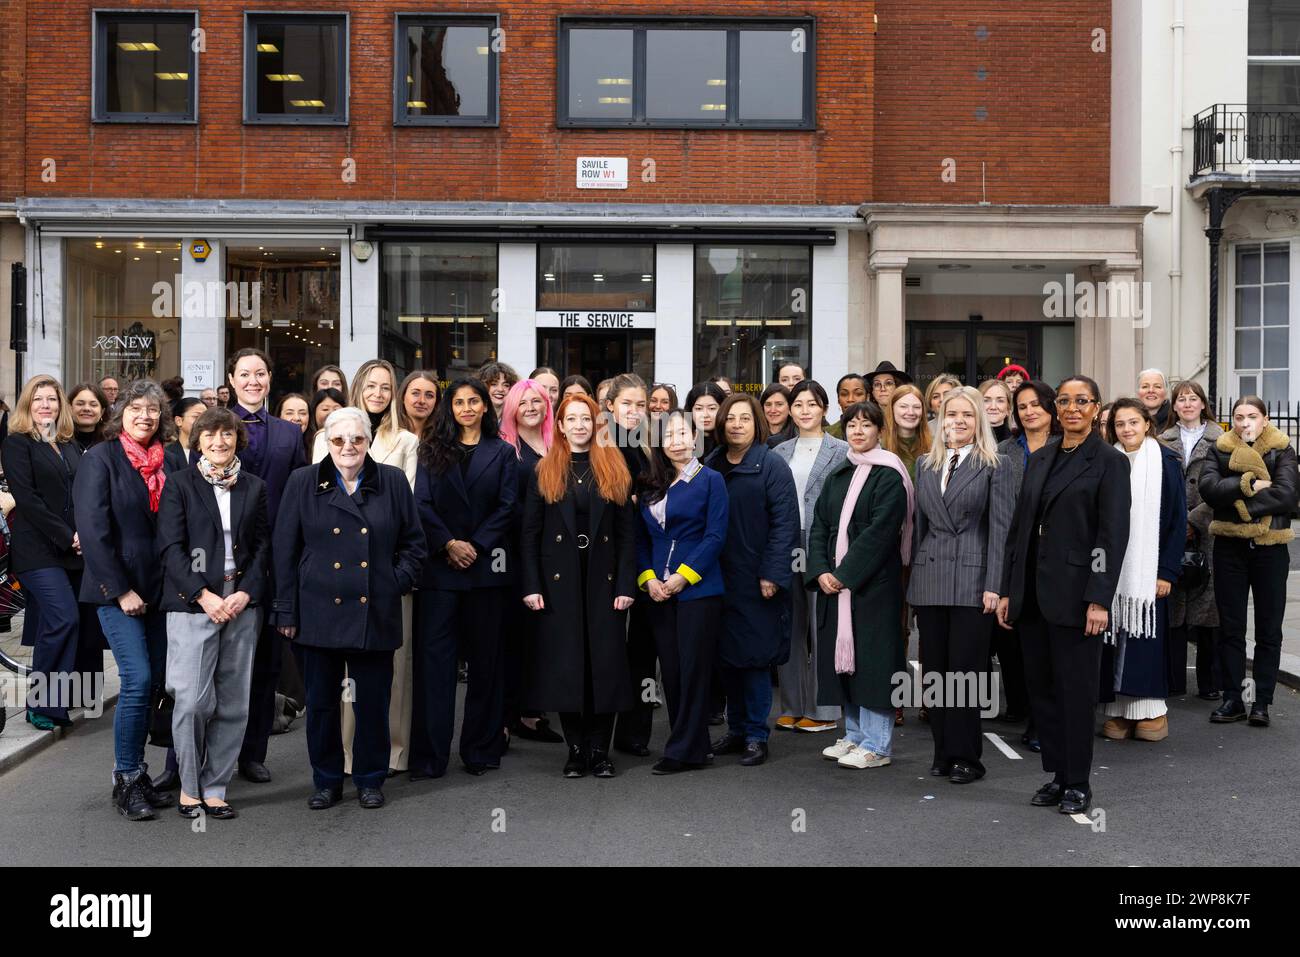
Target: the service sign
(595, 320)
(602, 172)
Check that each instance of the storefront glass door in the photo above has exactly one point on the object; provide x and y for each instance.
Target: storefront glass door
(597, 355)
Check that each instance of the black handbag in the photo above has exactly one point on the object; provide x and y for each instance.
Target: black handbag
(1196, 567)
(160, 724)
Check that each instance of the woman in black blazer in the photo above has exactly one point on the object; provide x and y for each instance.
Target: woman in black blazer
(40, 461)
(465, 489)
(117, 490)
(211, 597)
(347, 548)
(185, 412)
(1064, 553)
(578, 550)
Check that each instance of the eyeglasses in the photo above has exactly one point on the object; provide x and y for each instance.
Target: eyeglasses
(339, 441)
(151, 412)
(1065, 401)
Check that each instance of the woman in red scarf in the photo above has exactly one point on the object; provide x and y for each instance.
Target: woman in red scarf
(119, 483)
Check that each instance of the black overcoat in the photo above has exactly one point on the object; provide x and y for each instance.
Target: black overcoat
(116, 528)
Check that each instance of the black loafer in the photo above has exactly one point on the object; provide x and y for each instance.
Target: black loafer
(1075, 801)
(1049, 795)
(601, 765)
(755, 753)
(1231, 710)
(635, 748)
(1259, 715)
(541, 733)
(169, 780)
(1031, 742)
(717, 720)
(1209, 695)
(576, 766)
(673, 766)
(370, 798)
(728, 744)
(964, 774)
(254, 772)
(474, 768)
(940, 770)
(190, 811)
(222, 812)
(1011, 717)
(325, 797)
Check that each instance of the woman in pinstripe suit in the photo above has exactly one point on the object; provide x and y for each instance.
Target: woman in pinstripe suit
(964, 503)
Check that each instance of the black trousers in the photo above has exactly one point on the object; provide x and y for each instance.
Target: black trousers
(370, 676)
(261, 694)
(955, 642)
(1063, 674)
(1207, 658)
(468, 624)
(520, 635)
(1240, 568)
(686, 634)
(634, 724)
(1011, 662)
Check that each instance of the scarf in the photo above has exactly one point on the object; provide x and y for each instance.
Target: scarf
(1248, 462)
(224, 478)
(844, 655)
(149, 463)
(1133, 609)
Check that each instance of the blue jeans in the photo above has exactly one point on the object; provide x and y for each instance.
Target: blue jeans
(140, 648)
(749, 701)
(870, 728)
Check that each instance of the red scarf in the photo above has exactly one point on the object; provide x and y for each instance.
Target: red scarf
(148, 462)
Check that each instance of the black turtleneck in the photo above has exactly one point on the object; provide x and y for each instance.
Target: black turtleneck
(375, 419)
(580, 468)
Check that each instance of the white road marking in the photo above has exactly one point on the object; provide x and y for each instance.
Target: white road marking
(1002, 746)
(1081, 819)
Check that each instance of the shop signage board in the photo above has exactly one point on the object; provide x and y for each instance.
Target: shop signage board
(596, 320)
(199, 374)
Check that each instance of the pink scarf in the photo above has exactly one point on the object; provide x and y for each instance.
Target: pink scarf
(844, 659)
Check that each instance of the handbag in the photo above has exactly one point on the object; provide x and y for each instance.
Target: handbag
(1196, 567)
(160, 725)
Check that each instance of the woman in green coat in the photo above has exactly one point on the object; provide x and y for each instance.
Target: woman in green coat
(858, 544)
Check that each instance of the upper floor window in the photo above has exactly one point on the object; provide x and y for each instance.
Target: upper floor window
(446, 71)
(296, 68)
(146, 67)
(686, 73)
(1273, 53)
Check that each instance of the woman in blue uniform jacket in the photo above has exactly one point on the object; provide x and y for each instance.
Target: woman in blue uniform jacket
(347, 547)
(683, 508)
(757, 569)
(465, 489)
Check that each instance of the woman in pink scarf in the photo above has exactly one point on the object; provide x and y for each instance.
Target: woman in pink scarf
(858, 544)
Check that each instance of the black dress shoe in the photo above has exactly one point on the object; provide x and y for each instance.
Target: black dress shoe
(1011, 717)
(728, 744)
(717, 720)
(635, 748)
(542, 732)
(1075, 801)
(576, 766)
(190, 811)
(1209, 695)
(755, 753)
(425, 773)
(475, 768)
(940, 770)
(673, 766)
(601, 765)
(1049, 795)
(1031, 742)
(151, 794)
(221, 812)
(964, 774)
(254, 772)
(370, 798)
(1259, 715)
(325, 797)
(169, 780)
(1231, 710)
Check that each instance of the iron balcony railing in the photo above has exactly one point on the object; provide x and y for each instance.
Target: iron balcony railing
(1240, 138)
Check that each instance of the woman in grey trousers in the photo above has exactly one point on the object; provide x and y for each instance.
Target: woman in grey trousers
(812, 455)
(214, 536)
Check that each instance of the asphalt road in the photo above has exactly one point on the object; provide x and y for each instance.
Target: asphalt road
(1208, 795)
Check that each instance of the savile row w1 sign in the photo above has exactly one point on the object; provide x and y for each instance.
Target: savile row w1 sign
(602, 172)
(595, 320)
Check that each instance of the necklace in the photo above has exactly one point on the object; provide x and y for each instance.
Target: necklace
(586, 474)
(1065, 451)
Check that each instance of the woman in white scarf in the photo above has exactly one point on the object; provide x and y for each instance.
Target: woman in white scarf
(1135, 665)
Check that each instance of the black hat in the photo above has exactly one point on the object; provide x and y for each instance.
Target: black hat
(887, 368)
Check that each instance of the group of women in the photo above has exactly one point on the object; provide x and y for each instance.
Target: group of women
(557, 539)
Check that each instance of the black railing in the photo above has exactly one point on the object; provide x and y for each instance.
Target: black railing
(1236, 135)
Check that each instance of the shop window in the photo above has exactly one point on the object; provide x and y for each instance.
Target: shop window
(618, 278)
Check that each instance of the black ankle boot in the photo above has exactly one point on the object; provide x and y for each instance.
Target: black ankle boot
(576, 766)
(129, 797)
(601, 765)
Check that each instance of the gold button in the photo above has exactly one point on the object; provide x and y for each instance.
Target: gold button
(559, 538)
(336, 531)
(557, 576)
(609, 577)
(364, 531)
(338, 601)
(365, 564)
(604, 538)
(363, 599)
(337, 565)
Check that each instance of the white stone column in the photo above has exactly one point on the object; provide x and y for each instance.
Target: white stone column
(517, 306)
(888, 339)
(830, 311)
(1106, 335)
(358, 310)
(674, 315)
(203, 314)
(44, 348)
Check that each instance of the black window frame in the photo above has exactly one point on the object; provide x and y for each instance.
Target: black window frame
(402, 66)
(100, 19)
(639, 25)
(254, 17)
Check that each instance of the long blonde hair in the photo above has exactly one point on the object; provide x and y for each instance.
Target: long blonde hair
(986, 447)
(21, 421)
(389, 424)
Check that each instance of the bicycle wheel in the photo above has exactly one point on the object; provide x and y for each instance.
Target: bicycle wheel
(14, 655)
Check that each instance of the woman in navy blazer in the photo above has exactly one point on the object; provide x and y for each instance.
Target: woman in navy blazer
(683, 508)
(116, 495)
(465, 488)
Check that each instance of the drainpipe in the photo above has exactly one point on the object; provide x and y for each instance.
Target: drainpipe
(1176, 196)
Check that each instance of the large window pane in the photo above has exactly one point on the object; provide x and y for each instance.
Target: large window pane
(772, 75)
(752, 307)
(686, 75)
(298, 67)
(1248, 354)
(438, 306)
(449, 71)
(1261, 343)
(146, 68)
(1274, 28)
(596, 277)
(600, 74)
(1247, 307)
(1272, 85)
(1277, 387)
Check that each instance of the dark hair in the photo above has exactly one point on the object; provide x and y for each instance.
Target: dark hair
(309, 438)
(660, 471)
(782, 365)
(622, 382)
(441, 448)
(489, 372)
(150, 391)
(698, 391)
(719, 379)
(672, 394)
(174, 388)
(761, 429)
(1103, 422)
(1128, 402)
(813, 386)
(181, 406)
(543, 370)
(244, 354)
(863, 410)
(852, 375)
(1093, 388)
(315, 377)
(578, 380)
(217, 419)
(104, 406)
(1254, 401)
(1046, 398)
(1188, 385)
(403, 417)
(279, 406)
(775, 388)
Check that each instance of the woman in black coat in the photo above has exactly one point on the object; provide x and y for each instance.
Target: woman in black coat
(116, 494)
(347, 548)
(1064, 553)
(579, 552)
(757, 570)
(465, 491)
(40, 462)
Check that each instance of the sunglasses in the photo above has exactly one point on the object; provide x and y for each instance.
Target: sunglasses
(339, 441)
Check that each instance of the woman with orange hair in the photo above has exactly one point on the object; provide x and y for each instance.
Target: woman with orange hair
(578, 552)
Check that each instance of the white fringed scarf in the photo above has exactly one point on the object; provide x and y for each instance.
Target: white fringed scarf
(1134, 608)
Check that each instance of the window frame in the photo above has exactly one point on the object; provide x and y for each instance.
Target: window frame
(99, 21)
(1231, 328)
(732, 26)
(254, 17)
(401, 67)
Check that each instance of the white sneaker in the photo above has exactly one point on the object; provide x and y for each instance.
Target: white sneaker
(837, 750)
(862, 758)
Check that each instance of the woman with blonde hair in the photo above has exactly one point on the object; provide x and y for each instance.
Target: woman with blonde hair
(997, 407)
(939, 386)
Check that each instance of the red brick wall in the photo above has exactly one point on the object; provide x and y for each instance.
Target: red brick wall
(526, 159)
(1047, 94)
(13, 94)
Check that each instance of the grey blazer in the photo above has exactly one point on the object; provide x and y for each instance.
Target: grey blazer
(831, 454)
(959, 538)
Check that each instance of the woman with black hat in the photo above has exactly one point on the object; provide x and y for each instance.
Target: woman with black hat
(883, 380)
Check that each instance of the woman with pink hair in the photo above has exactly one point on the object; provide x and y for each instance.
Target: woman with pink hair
(527, 423)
